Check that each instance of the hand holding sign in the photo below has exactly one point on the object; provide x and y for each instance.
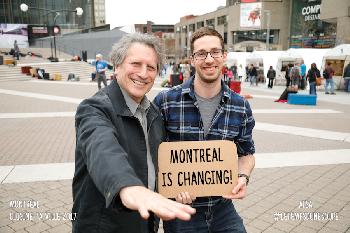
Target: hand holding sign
(202, 168)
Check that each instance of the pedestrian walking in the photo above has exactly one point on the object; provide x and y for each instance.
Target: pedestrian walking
(328, 75)
(312, 74)
(16, 50)
(101, 68)
(271, 75)
(253, 74)
(303, 82)
(346, 77)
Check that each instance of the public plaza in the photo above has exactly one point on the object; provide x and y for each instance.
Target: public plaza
(300, 183)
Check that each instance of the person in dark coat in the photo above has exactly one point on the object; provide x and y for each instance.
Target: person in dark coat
(271, 75)
(312, 74)
(118, 131)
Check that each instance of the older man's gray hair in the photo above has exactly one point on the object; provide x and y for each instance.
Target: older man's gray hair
(120, 49)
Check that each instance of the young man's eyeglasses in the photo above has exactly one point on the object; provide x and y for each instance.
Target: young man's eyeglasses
(202, 54)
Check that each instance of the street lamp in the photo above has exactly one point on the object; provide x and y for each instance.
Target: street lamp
(79, 11)
(268, 14)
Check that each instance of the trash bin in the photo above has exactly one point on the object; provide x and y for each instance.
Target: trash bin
(235, 86)
(175, 80)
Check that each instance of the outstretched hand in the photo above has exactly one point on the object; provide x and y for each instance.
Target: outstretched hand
(144, 200)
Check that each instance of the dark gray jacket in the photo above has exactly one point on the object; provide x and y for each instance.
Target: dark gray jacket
(111, 154)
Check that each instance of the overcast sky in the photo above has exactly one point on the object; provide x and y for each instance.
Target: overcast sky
(127, 12)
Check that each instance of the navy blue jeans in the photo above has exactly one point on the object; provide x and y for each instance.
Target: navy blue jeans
(312, 88)
(220, 218)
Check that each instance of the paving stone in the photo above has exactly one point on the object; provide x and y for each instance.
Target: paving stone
(303, 229)
(62, 228)
(6, 229)
(38, 227)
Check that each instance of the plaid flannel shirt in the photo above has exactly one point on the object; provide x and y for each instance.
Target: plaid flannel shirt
(232, 121)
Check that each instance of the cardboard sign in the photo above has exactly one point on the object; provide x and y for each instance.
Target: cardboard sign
(202, 168)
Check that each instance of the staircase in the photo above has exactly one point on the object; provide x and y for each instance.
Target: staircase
(82, 70)
(12, 73)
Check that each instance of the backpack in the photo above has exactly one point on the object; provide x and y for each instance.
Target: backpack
(294, 73)
(325, 74)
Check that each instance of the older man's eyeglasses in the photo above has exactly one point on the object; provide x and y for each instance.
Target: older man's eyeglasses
(202, 54)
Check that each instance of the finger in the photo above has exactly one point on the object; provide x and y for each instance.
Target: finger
(186, 198)
(178, 198)
(168, 210)
(233, 196)
(182, 212)
(144, 212)
(193, 198)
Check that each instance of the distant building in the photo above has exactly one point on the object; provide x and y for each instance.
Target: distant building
(99, 13)
(93, 15)
(248, 25)
(165, 32)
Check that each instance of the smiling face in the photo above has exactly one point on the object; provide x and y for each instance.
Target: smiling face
(136, 74)
(209, 69)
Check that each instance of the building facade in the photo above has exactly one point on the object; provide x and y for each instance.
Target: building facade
(248, 25)
(99, 13)
(93, 13)
(166, 34)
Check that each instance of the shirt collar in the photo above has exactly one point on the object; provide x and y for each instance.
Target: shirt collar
(133, 105)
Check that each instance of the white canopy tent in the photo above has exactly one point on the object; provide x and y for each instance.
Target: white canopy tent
(340, 52)
(339, 56)
(238, 58)
(270, 58)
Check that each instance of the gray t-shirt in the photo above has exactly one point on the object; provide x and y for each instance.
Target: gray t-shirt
(207, 108)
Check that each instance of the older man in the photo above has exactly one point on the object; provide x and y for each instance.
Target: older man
(118, 132)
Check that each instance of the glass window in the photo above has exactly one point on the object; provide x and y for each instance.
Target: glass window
(222, 20)
(200, 24)
(210, 23)
(255, 35)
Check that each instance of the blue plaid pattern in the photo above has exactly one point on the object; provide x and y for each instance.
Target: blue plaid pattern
(233, 119)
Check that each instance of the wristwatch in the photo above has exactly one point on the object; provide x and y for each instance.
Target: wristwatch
(245, 176)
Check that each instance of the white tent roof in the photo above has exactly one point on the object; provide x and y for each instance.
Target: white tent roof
(290, 53)
(240, 59)
(270, 58)
(254, 58)
(339, 53)
(310, 55)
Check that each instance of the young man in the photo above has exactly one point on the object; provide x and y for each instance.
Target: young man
(117, 136)
(204, 108)
(328, 75)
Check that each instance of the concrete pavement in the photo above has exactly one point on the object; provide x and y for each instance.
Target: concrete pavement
(300, 183)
